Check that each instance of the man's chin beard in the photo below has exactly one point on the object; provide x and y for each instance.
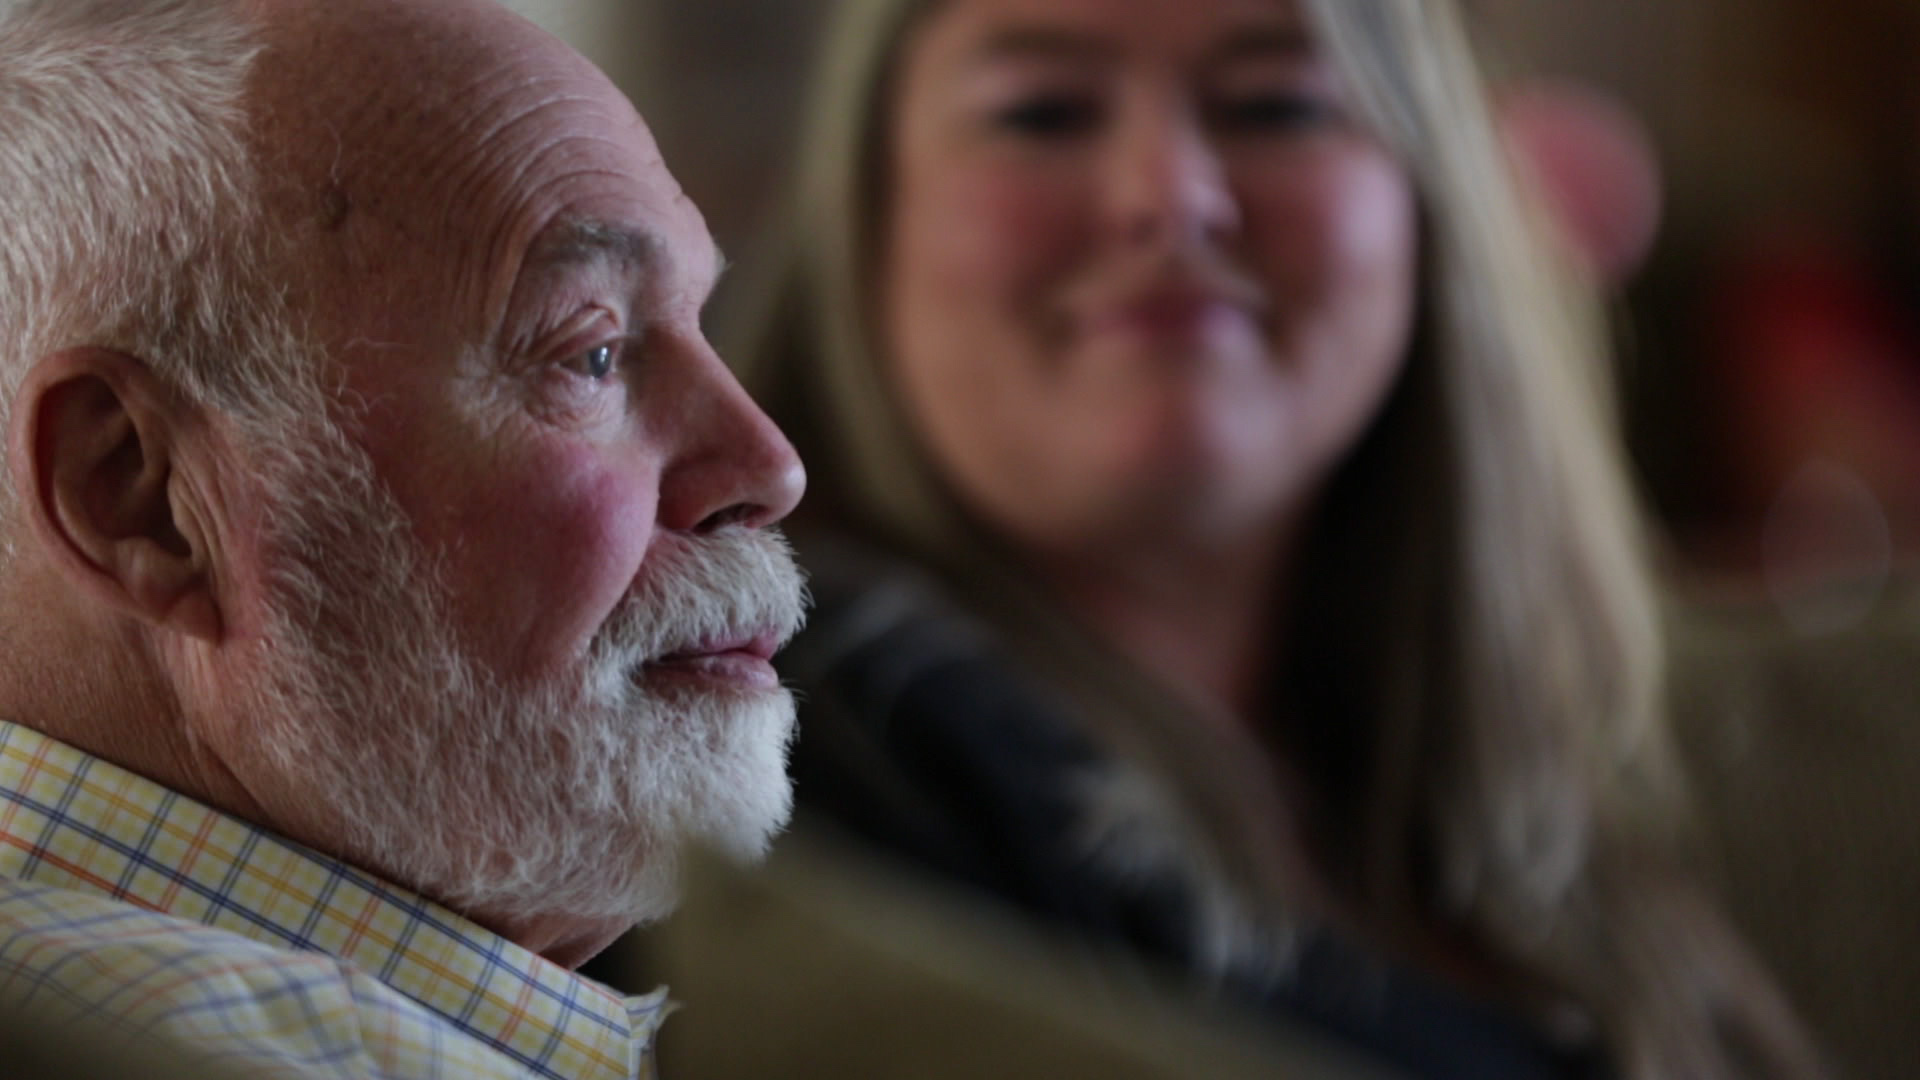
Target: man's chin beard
(495, 801)
(394, 750)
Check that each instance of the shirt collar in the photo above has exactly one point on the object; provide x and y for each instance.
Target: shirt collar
(71, 820)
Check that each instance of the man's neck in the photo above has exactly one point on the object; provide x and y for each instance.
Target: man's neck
(563, 941)
(105, 687)
(99, 685)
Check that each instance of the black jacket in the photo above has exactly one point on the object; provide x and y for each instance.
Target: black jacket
(921, 738)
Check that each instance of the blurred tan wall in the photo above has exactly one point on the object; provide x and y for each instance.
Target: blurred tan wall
(717, 81)
(1757, 105)
(1768, 115)
(606, 31)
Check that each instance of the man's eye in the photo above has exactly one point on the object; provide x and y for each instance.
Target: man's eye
(1050, 117)
(1277, 113)
(598, 362)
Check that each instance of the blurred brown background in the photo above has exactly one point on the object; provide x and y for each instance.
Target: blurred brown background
(1770, 345)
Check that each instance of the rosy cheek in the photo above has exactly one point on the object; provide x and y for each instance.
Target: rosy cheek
(1285, 215)
(1318, 227)
(1003, 230)
(1374, 218)
(548, 549)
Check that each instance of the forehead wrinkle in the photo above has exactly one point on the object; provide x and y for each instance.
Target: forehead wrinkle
(424, 129)
(476, 146)
(438, 125)
(507, 178)
(558, 238)
(390, 159)
(521, 172)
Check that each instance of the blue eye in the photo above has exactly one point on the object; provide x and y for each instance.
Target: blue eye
(598, 362)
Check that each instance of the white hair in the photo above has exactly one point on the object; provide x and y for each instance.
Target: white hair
(129, 202)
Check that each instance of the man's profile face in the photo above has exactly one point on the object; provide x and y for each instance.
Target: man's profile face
(552, 595)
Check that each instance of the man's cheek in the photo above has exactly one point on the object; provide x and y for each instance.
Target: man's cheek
(553, 559)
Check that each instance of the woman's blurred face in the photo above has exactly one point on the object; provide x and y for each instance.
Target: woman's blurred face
(1144, 279)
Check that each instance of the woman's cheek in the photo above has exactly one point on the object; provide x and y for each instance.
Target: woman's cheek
(1340, 223)
(1008, 228)
(1372, 217)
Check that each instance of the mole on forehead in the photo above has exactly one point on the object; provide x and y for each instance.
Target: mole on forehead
(335, 207)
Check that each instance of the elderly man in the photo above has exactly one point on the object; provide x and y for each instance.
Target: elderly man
(387, 589)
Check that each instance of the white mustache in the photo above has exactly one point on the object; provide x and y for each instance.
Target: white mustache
(734, 584)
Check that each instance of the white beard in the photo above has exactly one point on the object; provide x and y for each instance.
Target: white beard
(570, 797)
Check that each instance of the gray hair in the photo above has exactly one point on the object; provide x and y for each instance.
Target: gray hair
(130, 210)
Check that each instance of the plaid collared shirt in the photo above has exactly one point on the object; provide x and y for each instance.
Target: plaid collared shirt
(123, 900)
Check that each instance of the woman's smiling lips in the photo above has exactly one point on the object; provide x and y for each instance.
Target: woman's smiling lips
(1177, 305)
(744, 660)
(1166, 314)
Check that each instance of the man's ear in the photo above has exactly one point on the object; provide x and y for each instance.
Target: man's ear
(93, 454)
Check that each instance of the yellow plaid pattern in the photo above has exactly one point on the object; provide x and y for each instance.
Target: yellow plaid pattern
(122, 899)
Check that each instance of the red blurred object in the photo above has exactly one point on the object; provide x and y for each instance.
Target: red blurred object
(1595, 166)
(1813, 359)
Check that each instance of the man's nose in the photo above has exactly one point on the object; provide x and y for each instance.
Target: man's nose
(730, 465)
(1168, 184)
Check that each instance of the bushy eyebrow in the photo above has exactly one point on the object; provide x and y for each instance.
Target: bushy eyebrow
(578, 242)
(585, 242)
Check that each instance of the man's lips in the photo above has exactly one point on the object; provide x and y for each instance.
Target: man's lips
(761, 644)
(744, 659)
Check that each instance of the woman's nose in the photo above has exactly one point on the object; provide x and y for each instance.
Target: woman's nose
(1168, 183)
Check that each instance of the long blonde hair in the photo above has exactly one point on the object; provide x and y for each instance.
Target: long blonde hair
(1481, 688)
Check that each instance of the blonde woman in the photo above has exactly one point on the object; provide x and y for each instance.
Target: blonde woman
(1219, 544)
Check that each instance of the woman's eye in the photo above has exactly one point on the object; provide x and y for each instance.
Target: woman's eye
(1276, 113)
(1049, 117)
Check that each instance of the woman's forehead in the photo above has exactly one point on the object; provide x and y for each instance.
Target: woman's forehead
(985, 31)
